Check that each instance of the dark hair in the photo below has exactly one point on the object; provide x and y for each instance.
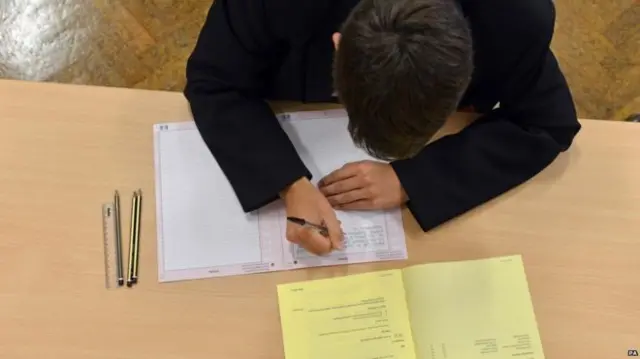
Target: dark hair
(400, 70)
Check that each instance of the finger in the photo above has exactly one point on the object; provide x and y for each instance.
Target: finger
(292, 233)
(361, 205)
(312, 241)
(335, 229)
(346, 171)
(349, 197)
(342, 186)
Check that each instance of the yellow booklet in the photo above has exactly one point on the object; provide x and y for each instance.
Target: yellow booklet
(453, 310)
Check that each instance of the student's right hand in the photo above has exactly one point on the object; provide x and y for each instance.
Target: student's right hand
(302, 199)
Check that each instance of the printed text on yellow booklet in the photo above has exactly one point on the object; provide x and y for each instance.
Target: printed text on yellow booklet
(454, 310)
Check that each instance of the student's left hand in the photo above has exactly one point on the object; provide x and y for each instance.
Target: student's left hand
(363, 185)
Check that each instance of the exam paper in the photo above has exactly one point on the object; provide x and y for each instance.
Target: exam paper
(472, 309)
(203, 231)
(361, 316)
(324, 144)
(454, 310)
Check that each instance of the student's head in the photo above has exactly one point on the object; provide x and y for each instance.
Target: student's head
(400, 69)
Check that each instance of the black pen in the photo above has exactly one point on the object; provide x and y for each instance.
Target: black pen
(322, 229)
(116, 201)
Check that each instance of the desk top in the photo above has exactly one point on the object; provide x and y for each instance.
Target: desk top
(65, 149)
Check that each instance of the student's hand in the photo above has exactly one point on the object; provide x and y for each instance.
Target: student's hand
(305, 201)
(363, 185)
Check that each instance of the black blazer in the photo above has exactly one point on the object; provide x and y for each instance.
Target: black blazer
(252, 50)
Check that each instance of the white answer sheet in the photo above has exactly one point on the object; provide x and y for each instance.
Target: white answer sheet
(203, 231)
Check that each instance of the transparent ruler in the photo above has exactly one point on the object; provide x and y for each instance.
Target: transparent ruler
(108, 239)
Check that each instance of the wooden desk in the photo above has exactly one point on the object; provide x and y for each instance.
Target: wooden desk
(64, 149)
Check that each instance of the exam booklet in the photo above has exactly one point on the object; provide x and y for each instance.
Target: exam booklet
(449, 310)
(202, 230)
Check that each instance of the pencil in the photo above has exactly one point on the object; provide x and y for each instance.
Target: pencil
(136, 243)
(116, 201)
(132, 234)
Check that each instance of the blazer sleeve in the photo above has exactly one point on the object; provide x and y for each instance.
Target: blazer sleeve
(227, 74)
(502, 149)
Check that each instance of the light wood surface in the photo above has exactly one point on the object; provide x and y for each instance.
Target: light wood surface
(65, 149)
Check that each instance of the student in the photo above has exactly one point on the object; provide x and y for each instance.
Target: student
(400, 68)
